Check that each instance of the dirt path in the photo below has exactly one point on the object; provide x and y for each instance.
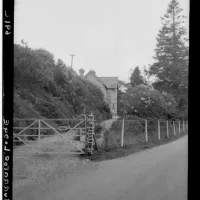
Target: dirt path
(108, 123)
(159, 173)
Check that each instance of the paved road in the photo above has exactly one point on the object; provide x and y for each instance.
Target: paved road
(156, 174)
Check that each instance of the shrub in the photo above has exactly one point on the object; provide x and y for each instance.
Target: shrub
(144, 101)
(98, 129)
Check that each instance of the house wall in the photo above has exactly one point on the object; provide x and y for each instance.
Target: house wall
(93, 79)
(112, 99)
(110, 95)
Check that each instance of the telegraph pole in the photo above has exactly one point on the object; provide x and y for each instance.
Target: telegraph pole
(72, 55)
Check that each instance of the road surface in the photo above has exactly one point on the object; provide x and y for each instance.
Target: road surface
(155, 174)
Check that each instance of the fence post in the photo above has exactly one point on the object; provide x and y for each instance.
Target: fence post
(167, 130)
(159, 129)
(183, 126)
(146, 133)
(122, 134)
(38, 143)
(174, 128)
(186, 125)
(179, 127)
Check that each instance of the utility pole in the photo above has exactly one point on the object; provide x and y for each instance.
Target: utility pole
(72, 55)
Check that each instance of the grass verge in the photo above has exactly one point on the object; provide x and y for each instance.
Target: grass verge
(117, 152)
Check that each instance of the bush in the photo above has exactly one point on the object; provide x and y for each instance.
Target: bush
(98, 128)
(145, 102)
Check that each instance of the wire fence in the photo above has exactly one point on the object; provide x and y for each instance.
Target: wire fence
(125, 133)
(67, 135)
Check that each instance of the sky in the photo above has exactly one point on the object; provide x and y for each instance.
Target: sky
(108, 36)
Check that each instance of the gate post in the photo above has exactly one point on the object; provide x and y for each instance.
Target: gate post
(90, 135)
(38, 143)
(85, 122)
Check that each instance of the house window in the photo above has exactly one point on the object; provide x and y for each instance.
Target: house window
(113, 109)
(113, 93)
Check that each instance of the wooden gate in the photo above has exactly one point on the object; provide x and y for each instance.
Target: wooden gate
(51, 136)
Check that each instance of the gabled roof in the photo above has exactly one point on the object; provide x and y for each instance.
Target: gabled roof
(94, 74)
(110, 82)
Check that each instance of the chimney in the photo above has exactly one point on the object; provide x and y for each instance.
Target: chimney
(93, 72)
(81, 72)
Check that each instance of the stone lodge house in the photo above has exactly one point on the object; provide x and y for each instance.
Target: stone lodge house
(108, 86)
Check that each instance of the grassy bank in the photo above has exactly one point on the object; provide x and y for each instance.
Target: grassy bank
(134, 138)
(46, 88)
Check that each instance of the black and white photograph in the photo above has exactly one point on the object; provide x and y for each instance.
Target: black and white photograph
(100, 100)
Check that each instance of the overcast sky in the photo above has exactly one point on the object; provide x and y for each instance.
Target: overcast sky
(108, 36)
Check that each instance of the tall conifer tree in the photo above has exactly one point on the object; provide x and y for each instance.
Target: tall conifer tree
(171, 55)
(136, 78)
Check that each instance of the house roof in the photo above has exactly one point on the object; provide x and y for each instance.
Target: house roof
(110, 82)
(94, 74)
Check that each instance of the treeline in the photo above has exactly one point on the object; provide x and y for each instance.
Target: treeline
(167, 95)
(45, 88)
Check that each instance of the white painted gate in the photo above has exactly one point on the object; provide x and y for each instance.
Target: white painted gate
(51, 136)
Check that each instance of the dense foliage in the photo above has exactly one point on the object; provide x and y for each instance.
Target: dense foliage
(47, 88)
(144, 101)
